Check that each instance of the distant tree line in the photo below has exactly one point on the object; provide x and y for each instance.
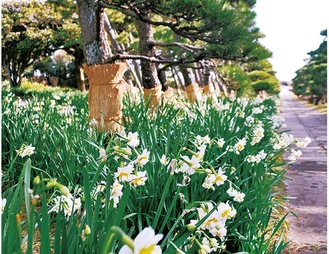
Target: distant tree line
(311, 79)
(204, 38)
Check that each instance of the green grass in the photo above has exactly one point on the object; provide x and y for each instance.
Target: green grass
(321, 107)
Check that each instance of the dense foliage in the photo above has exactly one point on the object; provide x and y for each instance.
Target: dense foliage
(311, 79)
(33, 30)
(201, 175)
(251, 77)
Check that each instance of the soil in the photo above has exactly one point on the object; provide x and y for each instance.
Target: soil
(306, 179)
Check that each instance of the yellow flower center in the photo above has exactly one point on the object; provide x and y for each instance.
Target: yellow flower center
(141, 160)
(123, 174)
(226, 213)
(147, 250)
(137, 182)
(239, 147)
(210, 221)
(219, 178)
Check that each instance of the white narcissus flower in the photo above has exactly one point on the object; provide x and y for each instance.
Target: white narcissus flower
(143, 158)
(93, 122)
(304, 142)
(164, 160)
(220, 230)
(21, 103)
(66, 110)
(144, 243)
(68, 204)
(239, 146)
(212, 243)
(249, 121)
(133, 139)
(124, 174)
(206, 139)
(3, 204)
(199, 139)
(212, 179)
(26, 150)
(99, 188)
(220, 177)
(226, 211)
(294, 154)
(231, 192)
(190, 165)
(220, 143)
(116, 192)
(209, 182)
(102, 154)
(29, 150)
(256, 111)
(204, 249)
(139, 179)
(307, 141)
(239, 197)
(215, 223)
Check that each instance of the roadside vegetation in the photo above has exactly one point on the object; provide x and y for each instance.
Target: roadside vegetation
(203, 179)
(195, 162)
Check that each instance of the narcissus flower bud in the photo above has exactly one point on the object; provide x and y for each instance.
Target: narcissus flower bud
(191, 227)
(51, 184)
(87, 230)
(36, 180)
(64, 190)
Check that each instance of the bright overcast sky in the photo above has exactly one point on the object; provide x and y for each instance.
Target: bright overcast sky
(292, 29)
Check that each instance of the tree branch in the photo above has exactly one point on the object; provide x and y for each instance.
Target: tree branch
(176, 44)
(123, 9)
(152, 59)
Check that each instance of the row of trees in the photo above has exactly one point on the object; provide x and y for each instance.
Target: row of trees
(199, 39)
(311, 79)
(33, 30)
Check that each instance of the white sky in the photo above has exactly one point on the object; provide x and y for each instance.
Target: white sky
(292, 29)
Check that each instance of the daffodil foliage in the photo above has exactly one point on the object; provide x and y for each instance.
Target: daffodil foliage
(182, 178)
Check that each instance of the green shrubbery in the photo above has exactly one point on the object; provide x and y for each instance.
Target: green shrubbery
(201, 175)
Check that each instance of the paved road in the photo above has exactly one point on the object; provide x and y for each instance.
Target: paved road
(308, 184)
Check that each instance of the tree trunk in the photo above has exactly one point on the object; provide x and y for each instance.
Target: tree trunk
(178, 78)
(14, 79)
(105, 80)
(79, 73)
(95, 46)
(222, 83)
(121, 48)
(80, 77)
(192, 88)
(150, 79)
(163, 80)
(198, 73)
(149, 70)
(208, 87)
(106, 91)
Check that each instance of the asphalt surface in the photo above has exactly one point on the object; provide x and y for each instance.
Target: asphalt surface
(306, 183)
